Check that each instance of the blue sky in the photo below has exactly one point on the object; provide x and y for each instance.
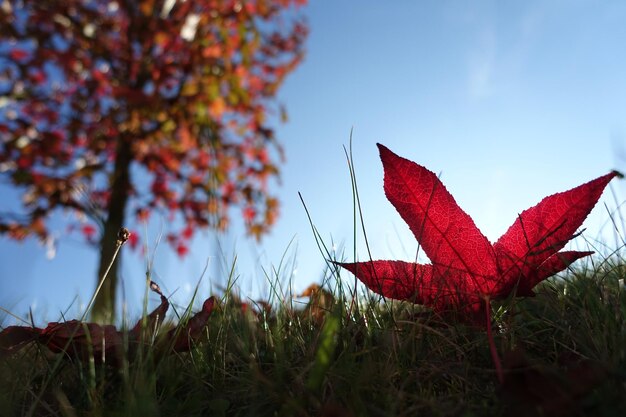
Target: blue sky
(509, 101)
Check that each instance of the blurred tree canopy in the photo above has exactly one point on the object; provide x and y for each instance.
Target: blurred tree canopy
(112, 109)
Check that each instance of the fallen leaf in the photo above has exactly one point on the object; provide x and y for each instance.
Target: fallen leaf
(83, 340)
(104, 344)
(466, 270)
(194, 327)
(14, 338)
(153, 320)
(320, 303)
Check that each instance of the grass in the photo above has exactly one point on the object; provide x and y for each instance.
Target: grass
(354, 354)
(564, 354)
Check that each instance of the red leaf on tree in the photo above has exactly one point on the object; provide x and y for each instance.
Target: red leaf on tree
(187, 232)
(249, 213)
(38, 77)
(152, 130)
(133, 240)
(142, 215)
(467, 270)
(89, 231)
(18, 54)
(182, 249)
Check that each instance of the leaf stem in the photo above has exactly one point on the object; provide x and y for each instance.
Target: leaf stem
(492, 345)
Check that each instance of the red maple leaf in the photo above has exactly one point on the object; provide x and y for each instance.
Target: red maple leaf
(467, 270)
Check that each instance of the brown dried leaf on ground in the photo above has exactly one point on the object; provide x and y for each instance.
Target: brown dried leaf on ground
(14, 338)
(104, 344)
(193, 329)
(321, 301)
(152, 321)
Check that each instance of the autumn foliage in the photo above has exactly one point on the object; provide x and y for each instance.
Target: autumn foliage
(118, 108)
(468, 271)
(104, 343)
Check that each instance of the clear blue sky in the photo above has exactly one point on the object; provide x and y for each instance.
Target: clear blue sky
(510, 101)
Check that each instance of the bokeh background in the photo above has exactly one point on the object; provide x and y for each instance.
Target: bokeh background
(508, 101)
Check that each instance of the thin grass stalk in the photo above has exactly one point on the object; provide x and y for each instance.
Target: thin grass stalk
(118, 245)
(122, 237)
(356, 204)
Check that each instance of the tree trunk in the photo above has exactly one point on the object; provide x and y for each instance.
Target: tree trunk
(104, 305)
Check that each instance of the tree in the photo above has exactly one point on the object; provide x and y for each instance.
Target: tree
(118, 108)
